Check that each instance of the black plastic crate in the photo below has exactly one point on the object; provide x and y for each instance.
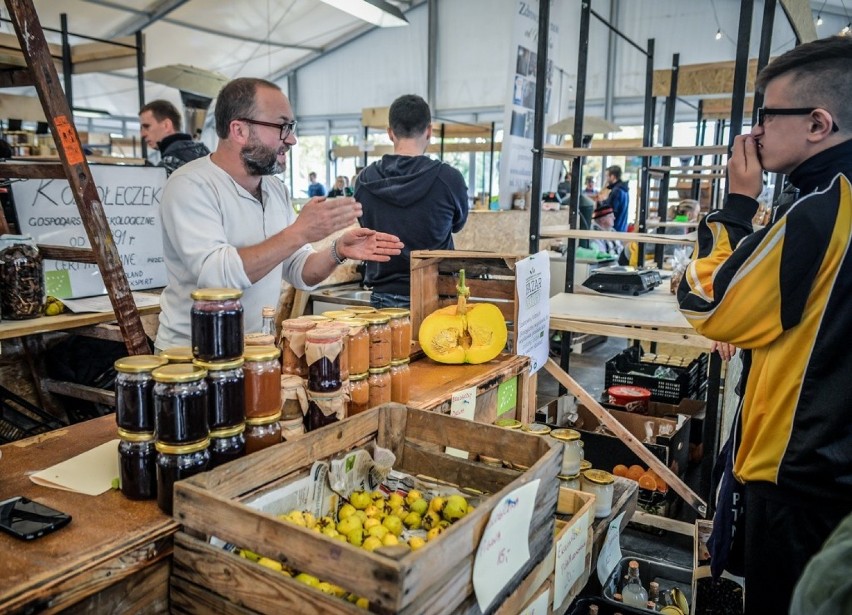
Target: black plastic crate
(20, 419)
(627, 368)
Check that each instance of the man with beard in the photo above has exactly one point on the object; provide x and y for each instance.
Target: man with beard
(228, 223)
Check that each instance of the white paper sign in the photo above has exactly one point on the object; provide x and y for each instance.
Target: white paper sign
(610, 553)
(532, 277)
(462, 406)
(131, 200)
(571, 557)
(538, 606)
(504, 547)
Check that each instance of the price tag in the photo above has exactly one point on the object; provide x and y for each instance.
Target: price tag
(570, 558)
(610, 553)
(504, 547)
(538, 606)
(462, 406)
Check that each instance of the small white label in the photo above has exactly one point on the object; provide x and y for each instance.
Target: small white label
(538, 606)
(610, 553)
(462, 406)
(570, 558)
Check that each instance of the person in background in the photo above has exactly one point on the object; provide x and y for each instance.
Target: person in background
(782, 295)
(423, 201)
(314, 187)
(228, 222)
(618, 198)
(603, 219)
(590, 190)
(160, 129)
(339, 188)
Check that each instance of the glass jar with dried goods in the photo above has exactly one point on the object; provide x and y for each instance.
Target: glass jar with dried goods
(225, 393)
(400, 325)
(324, 409)
(380, 386)
(176, 462)
(180, 403)
(359, 394)
(323, 347)
(21, 281)
(216, 321)
(293, 346)
(227, 444)
(400, 374)
(294, 402)
(262, 374)
(380, 339)
(262, 432)
(134, 389)
(137, 465)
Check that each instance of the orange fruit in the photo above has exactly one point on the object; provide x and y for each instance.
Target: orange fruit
(635, 471)
(662, 487)
(646, 481)
(620, 470)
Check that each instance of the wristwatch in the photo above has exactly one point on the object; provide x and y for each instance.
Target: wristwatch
(334, 254)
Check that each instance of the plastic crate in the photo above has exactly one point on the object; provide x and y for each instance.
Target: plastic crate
(20, 419)
(628, 368)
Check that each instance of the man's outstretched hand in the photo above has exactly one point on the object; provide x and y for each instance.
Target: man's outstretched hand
(365, 244)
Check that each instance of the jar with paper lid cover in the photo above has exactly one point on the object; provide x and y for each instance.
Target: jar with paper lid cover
(323, 347)
(262, 374)
(292, 429)
(180, 403)
(293, 333)
(359, 394)
(379, 381)
(343, 327)
(216, 322)
(600, 484)
(572, 446)
(324, 409)
(227, 444)
(225, 393)
(178, 354)
(134, 389)
(380, 338)
(176, 462)
(400, 326)
(400, 374)
(294, 399)
(262, 432)
(137, 465)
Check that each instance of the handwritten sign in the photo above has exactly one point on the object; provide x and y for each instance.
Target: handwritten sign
(610, 553)
(504, 547)
(571, 557)
(131, 201)
(539, 605)
(532, 278)
(463, 406)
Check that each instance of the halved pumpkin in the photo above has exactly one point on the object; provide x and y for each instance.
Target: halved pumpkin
(463, 333)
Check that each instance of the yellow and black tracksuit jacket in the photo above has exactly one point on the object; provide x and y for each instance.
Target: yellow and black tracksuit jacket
(784, 295)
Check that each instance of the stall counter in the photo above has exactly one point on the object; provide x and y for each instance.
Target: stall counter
(115, 554)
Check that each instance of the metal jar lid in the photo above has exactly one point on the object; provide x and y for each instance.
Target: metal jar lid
(228, 432)
(536, 429)
(182, 449)
(179, 372)
(508, 423)
(395, 312)
(376, 318)
(219, 366)
(178, 354)
(566, 435)
(140, 363)
(261, 353)
(135, 436)
(600, 477)
(216, 294)
(264, 420)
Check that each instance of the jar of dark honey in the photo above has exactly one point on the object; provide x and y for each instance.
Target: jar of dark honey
(180, 403)
(134, 388)
(137, 465)
(176, 462)
(216, 322)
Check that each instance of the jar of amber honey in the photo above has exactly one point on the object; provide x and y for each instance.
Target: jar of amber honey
(262, 375)
(400, 374)
(400, 326)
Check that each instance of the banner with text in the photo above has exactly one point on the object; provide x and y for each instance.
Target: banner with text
(519, 119)
(131, 198)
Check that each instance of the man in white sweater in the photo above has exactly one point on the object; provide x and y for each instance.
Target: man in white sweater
(228, 223)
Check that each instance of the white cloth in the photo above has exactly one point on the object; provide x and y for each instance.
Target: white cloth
(206, 217)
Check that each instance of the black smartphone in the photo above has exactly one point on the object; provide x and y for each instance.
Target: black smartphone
(27, 520)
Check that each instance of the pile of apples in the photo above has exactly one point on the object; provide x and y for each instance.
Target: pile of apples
(373, 521)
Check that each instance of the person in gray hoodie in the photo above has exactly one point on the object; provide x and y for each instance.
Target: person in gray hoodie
(420, 200)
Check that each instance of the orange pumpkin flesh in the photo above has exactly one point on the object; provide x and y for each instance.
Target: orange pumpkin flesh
(463, 333)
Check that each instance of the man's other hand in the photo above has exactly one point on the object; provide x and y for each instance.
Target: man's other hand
(368, 245)
(745, 175)
(320, 217)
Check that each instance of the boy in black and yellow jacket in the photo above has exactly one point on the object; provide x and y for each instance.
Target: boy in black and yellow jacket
(783, 295)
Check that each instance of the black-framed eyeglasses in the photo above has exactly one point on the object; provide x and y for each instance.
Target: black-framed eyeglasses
(287, 128)
(762, 112)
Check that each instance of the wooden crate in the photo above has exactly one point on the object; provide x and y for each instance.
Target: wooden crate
(433, 385)
(434, 579)
(489, 275)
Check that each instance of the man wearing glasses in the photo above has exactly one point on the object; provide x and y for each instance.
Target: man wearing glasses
(228, 223)
(783, 294)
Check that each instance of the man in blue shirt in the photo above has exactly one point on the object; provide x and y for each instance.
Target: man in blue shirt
(618, 197)
(314, 188)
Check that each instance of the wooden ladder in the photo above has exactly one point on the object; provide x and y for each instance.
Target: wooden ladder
(41, 73)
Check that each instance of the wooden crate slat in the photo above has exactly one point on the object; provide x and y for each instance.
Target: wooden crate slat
(457, 471)
(247, 583)
(187, 598)
(392, 431)
(490, 289)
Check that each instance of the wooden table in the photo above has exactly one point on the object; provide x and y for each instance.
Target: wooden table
(115, 554)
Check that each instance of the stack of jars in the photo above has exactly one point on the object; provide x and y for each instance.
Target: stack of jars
(400, 330)
(262, 372)
(134, 415)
